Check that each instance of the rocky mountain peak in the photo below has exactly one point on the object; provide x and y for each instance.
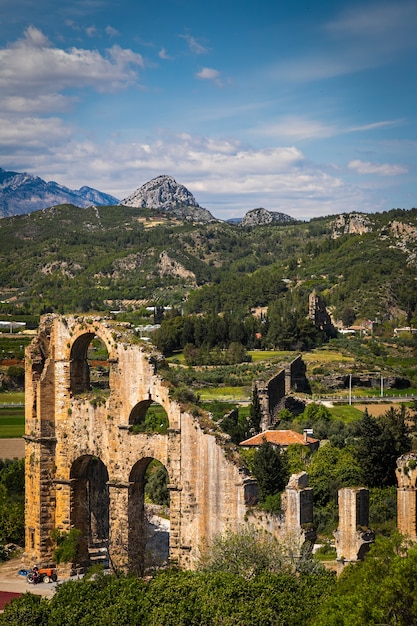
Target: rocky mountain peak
(163, 193)
(260, 216)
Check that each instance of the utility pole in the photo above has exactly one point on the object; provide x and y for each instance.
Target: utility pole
(350, 389)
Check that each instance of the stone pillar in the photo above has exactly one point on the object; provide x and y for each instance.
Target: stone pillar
(407, 495)
(40, 498)
(298, 507)
(353, 536)
(119, 525)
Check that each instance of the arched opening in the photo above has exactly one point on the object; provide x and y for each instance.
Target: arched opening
(90, 508)
(148, 511)
(89, 365)
(149, 417)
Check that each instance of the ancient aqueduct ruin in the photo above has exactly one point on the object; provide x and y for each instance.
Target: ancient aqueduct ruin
(85, 463)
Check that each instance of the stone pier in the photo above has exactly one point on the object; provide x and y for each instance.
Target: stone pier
(407, 495)
(353, 536)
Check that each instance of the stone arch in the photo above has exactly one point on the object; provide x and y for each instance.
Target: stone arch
(79, 363)
(90, 506)
(137, 522)
(139, 412)
(68, 436)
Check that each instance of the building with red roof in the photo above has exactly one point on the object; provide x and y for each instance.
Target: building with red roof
(282, 438)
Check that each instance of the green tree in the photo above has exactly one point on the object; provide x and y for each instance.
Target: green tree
(382, 589)
(255, 413)
(246, 553)
(157, 484)
(270, 470)
(67, 544)
(379, 442)
(332, 468)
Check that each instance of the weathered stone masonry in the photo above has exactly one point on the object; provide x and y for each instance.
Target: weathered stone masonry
(85, 468)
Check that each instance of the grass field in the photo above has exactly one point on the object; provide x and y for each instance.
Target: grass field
(234, 394)
(12, 418)
(12, 422)
(12, 397)
(346, 413)
(268, 355)
(322, 356)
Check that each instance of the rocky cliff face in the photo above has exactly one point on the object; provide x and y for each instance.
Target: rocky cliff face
(165, 194)
(259, 217)
(351, 223)
(23, 193)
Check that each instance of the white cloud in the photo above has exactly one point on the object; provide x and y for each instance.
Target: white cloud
(91, 31)
(375, 125)
(112, 32)
(208, 73)
(32, 67)
(393, 20)
(40, 104)
(20, 135)
(195, 46)
(226, 177)
(381, 169)
(297, 128)
(164, 55)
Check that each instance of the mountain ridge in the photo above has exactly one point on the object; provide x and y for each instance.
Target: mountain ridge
(22, 193)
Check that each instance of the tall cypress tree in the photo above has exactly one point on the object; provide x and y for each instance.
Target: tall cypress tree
(270, 470)
(255, 413)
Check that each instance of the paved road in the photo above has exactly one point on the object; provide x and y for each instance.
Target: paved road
(363, 399)
(10, 580)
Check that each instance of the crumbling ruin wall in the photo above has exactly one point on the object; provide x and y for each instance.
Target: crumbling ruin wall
(85, 466)
(294, 526)
(273, 392)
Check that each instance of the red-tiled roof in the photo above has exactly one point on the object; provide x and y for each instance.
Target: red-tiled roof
(279, 438)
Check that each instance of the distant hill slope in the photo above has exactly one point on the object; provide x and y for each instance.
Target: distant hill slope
(23, 193)
(163, 193)
(70, 259)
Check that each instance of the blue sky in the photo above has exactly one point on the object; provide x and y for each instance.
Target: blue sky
(303, 107)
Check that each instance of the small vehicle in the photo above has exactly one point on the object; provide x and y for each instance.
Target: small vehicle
(42, 575)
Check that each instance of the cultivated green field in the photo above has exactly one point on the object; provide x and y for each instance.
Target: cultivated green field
(234, 394)
(346, 413)
(12, 418)
(12, 422)
(12, 397)
(268, 355)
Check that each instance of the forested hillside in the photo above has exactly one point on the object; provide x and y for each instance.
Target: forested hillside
(70, 259)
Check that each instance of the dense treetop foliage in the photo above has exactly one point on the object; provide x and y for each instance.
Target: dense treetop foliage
(267, 591)
(12, 519)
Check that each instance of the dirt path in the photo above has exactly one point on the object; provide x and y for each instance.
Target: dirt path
(12, 448)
